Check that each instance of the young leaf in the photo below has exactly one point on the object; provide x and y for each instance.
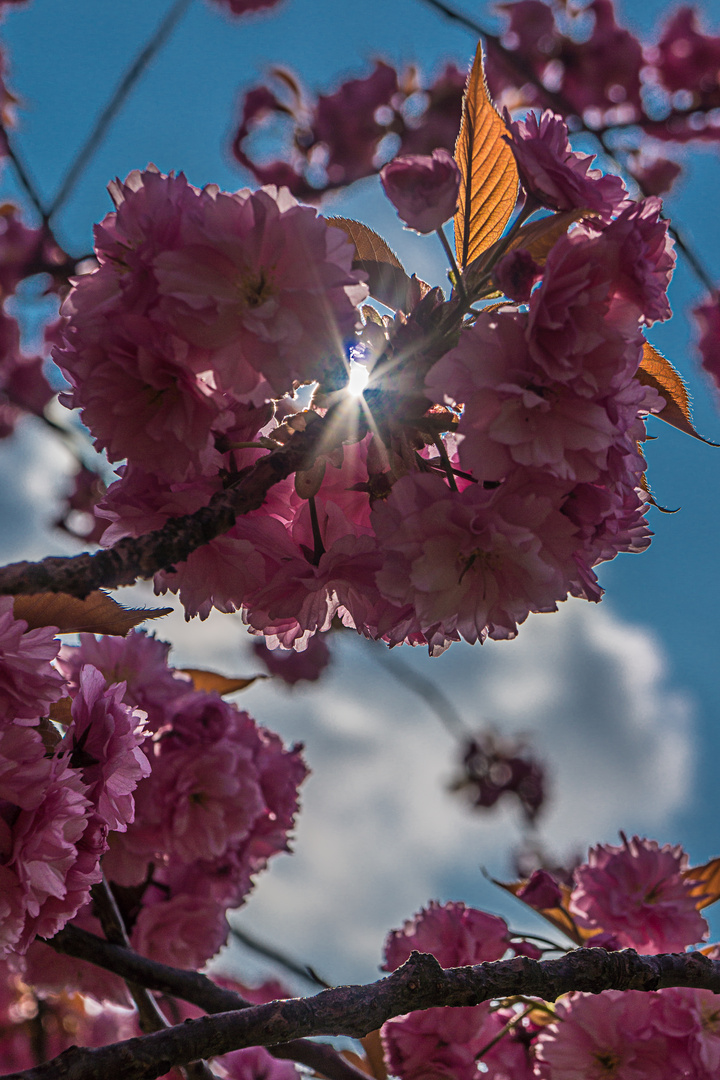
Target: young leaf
(707, 889)
(373, 1048)
(558, 917)
(98, 613)
(536, 237)
(388, 281)
(489, 185)
(659, 373)
(210, 681)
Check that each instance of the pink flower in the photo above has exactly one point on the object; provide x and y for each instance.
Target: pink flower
(255, 1063)
(637, 892)
(690, 1021)
(139, 661)
(580, 331)
(455, 935)
(28, 682)
(265, 284)
(688, 59)
(516, 274)
(309, 593)
(103, 744)
(345, 122)
(293, 667)
(541, 891)
(595, 67)
(241, 7)
(605, 1035)
(444, 1043)
(558, 176)
(514, 413)
(473, 563)
(423, 190)
(184, 931)
(202, 300)
(645, 258)
(49, 849)
(201, 798)
(140, 395)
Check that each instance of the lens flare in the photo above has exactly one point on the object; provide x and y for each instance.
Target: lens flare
(357, 380)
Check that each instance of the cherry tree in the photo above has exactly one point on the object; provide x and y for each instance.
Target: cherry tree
(304, 432)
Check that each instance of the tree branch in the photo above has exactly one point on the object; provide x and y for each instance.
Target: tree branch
(195, 988)
(356, 1010)
(134, 558)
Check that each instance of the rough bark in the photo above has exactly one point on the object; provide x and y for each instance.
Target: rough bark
(356, 1010)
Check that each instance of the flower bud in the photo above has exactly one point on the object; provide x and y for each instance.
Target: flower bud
(422, 188)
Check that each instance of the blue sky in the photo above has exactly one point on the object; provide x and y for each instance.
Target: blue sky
(622, 700)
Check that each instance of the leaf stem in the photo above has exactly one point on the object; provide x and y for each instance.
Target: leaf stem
(458, 280)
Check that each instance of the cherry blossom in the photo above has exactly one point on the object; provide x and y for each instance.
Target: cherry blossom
(453, 933)
(609, 1034)
(103, 744)
(638, 893)
(555, 174)
(423, 189)
(28, 682)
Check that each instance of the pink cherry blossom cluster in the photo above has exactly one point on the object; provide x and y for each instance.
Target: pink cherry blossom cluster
(208, 309)
(61, 793)
(635, 896)
(176, 796)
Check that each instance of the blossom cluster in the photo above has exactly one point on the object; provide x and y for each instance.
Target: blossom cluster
(637, 895)
(512, 470)
(112, 764)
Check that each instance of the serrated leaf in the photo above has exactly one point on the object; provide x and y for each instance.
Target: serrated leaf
(559, 917)
(707, 889)
(489, 184)
(210, 681)
(539, 237)
(659, 373)
(98, 613)
(388, 280)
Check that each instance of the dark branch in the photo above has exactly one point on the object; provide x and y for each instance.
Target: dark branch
(192, 987)
(305, 971)
(356, 1010)
(135, 558)
(23, 175)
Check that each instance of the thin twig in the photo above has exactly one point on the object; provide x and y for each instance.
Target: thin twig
(305, 971)
(23, 175)
(433, 697)
(120, 94)
(197, 989)
(503, 1032)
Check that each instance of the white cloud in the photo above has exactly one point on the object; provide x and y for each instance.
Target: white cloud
(36, 474)
(379, 834)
